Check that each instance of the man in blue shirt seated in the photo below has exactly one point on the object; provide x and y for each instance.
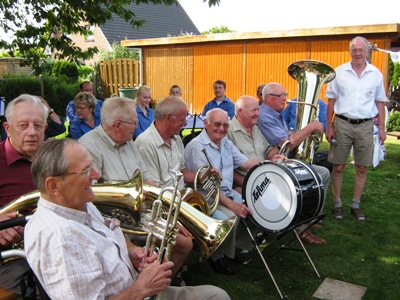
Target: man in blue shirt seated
(289, 114)
(220, 100)
(85, 86)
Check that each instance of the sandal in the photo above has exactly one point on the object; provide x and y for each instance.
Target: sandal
(309, 238)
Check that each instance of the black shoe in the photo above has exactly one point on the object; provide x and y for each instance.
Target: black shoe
(242, 257)
(222, 266)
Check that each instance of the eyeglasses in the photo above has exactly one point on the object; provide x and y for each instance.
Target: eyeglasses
(81, 108)
(87, 172)
(282, 96)
(219, 124)
(134, 123)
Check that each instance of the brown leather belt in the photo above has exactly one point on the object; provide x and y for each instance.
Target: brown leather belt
(353, 121)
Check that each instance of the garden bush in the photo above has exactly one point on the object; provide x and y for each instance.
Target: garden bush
(393, 123)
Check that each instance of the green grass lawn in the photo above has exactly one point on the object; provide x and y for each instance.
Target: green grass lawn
(362, 253)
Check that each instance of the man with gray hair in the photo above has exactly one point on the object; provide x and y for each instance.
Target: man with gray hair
(161, 149)
(116, 157)
(275, 130)
(356, 96)
(224, 156)
(25, 127)
(110, 144)
(78, 254)
(161, 146)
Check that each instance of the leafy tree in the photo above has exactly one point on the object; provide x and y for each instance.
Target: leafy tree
(45, 25)
(221, 29)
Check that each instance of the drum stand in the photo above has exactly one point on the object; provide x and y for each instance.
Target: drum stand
(310, 222)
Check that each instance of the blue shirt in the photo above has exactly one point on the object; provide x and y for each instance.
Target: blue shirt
(225, 159)
(226, 104)
(289, 114)
(71, 113)
(78, 127)
(144, 122)
(272, 125)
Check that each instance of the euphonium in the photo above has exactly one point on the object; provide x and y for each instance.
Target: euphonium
(210, 183)
(310, 75)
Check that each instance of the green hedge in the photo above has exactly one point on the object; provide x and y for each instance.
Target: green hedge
(393, 123)
(57, 93)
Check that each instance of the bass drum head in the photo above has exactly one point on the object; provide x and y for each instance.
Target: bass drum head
(270, 194)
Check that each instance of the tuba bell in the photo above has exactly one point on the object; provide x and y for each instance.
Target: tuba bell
(311, 75)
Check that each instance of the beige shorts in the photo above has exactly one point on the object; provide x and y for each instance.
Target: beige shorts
(359, 136)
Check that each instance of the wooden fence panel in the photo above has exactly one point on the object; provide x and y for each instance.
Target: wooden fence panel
(119, 73)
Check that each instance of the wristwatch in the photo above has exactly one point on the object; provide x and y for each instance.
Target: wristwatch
(51, 111)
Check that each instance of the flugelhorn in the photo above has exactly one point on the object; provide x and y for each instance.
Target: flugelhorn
(162, 225)
(210, 183)
(310, 75)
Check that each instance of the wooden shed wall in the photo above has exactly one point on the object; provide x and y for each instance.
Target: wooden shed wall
(243, 65)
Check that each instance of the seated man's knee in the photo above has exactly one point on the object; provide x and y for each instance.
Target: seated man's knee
(184, 244)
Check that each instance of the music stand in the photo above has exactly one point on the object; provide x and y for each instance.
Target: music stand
(193, 122)
(279, 235)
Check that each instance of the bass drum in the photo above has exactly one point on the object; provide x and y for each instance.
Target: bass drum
(280, 195)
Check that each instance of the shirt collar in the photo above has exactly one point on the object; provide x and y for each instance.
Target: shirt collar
(12, 155)
(79, 216)
(106, 138)
(205, 140)
(236, 126)
(158, 140)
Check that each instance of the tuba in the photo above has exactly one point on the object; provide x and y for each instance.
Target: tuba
(310, 75)
(124, 201)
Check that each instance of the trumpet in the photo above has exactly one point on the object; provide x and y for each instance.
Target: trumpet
(162, 228)
(157, 224)
(210, 183)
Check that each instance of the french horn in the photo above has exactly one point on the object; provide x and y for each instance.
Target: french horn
(210, 183)
(124, 201)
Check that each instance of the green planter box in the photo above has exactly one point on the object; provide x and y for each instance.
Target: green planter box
(128, 92)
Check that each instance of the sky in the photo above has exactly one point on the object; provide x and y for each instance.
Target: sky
(269, 15)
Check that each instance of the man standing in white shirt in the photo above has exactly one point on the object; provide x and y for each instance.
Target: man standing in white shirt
(356, 95)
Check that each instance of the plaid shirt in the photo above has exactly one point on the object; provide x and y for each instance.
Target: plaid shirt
(75, 254)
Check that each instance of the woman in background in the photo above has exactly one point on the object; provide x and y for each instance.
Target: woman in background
(144, 112)
(87, 119)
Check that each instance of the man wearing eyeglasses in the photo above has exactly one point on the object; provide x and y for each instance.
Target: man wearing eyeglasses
(75, 252)
(110, 145)
(275, 130)
(26, 123)
(355, 96)
(224, 157)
